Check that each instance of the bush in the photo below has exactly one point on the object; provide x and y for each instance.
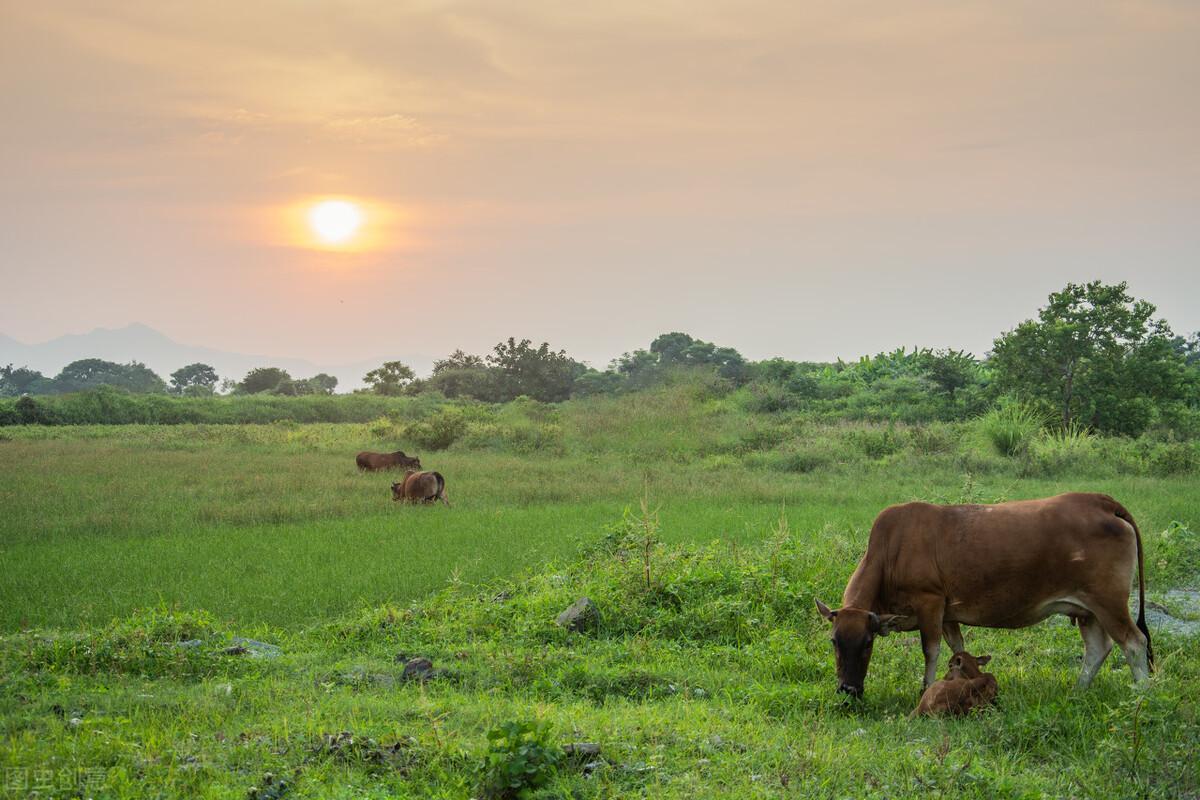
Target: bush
(878, 443)
(1010, 428)
(439, 430)
(1175, 458)
(520, 759)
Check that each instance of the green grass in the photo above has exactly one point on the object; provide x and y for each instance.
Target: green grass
(714, 679)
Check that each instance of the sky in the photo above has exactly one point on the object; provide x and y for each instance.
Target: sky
(800, 179)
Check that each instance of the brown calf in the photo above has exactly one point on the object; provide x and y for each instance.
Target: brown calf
(370, 462)
(421, 487)
(964, 688)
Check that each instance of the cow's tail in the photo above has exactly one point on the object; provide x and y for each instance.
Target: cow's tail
(1141, 620)
(441, 488)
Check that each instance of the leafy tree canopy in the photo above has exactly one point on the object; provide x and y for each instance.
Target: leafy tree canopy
(194, 379)
(263, 379)
(1095, 355)
(390, 379)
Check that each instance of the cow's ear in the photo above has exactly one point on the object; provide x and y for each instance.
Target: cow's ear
(826, 612)
(888, 623)
(983, 660)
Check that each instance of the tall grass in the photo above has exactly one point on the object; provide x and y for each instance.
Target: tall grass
(1010, 428)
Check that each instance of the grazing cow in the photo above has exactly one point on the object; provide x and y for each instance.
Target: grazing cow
(1010, 565)
(421, 487)
(964, 688)
(370, 462)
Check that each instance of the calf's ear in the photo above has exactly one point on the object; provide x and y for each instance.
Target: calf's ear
(826, 612)
(983, 660)
(888, 623)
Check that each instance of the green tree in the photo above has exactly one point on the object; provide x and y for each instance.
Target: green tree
(88, 373)
(322, 383)
(537, 372)
(263, 379)
(194, 379)
(22, 380)
(458, 360)
(950, 370)
(1095, 355)
(390, 379)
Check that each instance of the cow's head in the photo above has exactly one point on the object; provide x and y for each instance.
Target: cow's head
(414, 462)
(398, 491)
(964, 665)
(854, 632)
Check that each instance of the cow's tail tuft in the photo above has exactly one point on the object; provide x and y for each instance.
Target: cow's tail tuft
(1141, 619)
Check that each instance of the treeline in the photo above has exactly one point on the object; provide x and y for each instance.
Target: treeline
(1094, 358)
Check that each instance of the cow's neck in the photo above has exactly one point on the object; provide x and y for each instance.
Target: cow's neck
(865, 589)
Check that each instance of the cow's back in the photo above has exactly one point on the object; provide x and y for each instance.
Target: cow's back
(997, 564)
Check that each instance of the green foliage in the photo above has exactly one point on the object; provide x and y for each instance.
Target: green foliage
(194, 379)
(537, 372)
(391, 379)
(1096, 355)
(520, 759)
(1010, 428)
(15, 382)
(1177, 553)
(438, 430)
(263, 379)
(89, 373)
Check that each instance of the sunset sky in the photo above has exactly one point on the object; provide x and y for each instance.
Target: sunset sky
(799, 179)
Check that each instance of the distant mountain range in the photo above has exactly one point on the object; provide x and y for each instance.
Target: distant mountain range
(164, 355)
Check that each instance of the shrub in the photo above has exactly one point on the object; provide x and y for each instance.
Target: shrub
(439, 430)
(520, 759)
(1177, 553)
(1175, 458)
(878, 443)
(1010, 428)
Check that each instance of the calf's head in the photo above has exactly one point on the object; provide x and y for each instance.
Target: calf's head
(964, 665)
(854, 632)
(398, 491)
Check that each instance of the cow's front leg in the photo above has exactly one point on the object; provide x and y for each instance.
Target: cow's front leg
(929, 618)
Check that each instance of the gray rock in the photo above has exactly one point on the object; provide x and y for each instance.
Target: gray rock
(580, 616)
(240, 646)
(419, 669)
(190, 644)
(362, 678)
(581, 749)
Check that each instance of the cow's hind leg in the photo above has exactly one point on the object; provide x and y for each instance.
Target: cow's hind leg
(1096, 646)
(953, 636)
(1114, 618)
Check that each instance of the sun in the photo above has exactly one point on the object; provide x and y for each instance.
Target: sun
(335, 222)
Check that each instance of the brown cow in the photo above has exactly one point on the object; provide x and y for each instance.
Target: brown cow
(370, 462)
(964, 688)
(1010, 565)
(421, 487)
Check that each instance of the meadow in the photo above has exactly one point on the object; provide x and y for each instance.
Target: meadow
(702, 531)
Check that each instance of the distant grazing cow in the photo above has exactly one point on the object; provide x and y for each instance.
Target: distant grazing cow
(964, 689)
(370, 462)
(1010, 565)
(421, 487)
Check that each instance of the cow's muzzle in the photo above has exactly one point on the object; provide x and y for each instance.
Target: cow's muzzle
(854, 691)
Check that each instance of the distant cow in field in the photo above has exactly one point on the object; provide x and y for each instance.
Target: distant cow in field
(370, 462)
(964, 689)
(421, 487)
(1010, 565)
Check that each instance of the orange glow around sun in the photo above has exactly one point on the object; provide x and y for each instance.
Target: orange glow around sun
(339, 224)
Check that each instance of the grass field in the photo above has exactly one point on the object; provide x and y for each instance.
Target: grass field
(713, 678)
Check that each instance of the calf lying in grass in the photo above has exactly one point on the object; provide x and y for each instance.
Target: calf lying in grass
(962, 690)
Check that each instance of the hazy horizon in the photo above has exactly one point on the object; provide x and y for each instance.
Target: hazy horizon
(810, 181)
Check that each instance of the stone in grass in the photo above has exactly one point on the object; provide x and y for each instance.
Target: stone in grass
(239, 646)
(421, 669)
(580, 616)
